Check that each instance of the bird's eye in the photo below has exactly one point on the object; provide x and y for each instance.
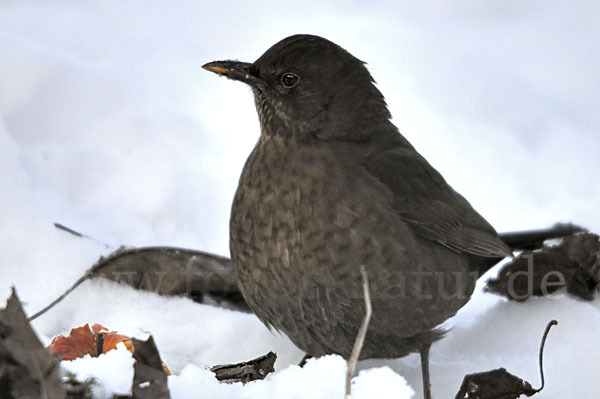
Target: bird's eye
(289, 79)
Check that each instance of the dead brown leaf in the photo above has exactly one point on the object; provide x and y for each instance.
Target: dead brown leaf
(27, 369)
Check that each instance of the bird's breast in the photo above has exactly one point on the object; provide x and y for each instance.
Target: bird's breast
(283, 212)
(305, 218)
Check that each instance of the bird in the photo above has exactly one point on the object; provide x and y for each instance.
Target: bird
(331, 187)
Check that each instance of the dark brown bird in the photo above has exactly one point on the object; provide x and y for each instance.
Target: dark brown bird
(332, 185)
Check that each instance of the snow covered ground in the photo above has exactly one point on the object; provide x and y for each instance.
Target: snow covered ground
(109, 125)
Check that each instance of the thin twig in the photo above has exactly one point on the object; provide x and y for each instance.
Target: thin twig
(534, 239)
(60, 298)
(548, 327)
(80, 235)
(88, 273)
(362, 331)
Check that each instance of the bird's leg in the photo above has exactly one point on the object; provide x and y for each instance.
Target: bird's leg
(425, 370)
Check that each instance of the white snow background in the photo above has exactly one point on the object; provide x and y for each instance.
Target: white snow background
(109, 125)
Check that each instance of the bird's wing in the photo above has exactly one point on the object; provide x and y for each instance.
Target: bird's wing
(432, 208)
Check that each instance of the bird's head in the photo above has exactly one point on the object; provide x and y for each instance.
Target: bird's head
(311, 88)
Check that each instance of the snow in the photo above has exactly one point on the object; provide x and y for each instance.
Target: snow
(114, 369)
(109, 125)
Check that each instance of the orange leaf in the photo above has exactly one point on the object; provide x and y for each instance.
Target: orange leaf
(78, 343)
(85, 341)
(111, 340)
(98, 328)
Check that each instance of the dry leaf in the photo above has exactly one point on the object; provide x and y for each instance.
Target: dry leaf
(499, 383)
(574, 264)
(83, 341)
(27, 369)
(150, 378)
(255, 369)
(110, 339)
(172, 271)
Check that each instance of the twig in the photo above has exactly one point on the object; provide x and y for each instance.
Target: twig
(362, 331)
(88, 273)
(83, 278)
(548, 327)
(534, 239)
(80, 235)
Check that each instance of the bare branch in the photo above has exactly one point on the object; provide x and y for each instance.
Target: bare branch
(362, 331)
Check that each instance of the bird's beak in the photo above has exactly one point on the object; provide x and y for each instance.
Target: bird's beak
(234, 70)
